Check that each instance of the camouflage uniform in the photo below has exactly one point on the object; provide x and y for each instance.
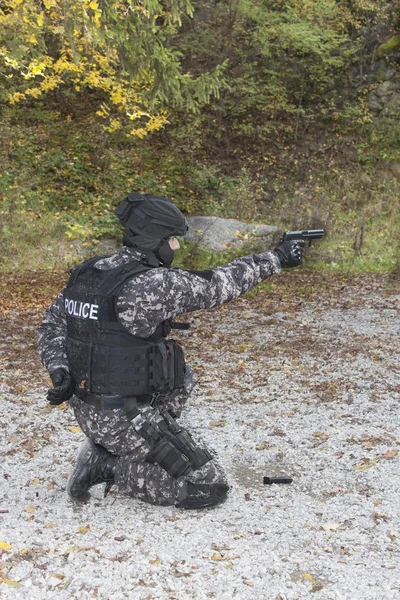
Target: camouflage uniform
(144, 302)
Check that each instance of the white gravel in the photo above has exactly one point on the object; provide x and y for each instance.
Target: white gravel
(311, 392)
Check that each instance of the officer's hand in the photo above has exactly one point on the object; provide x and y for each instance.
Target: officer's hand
(290, 253)
(64, 387)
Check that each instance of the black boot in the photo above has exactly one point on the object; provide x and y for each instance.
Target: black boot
(94, 465)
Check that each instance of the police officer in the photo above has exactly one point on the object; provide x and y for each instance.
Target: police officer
(105, 343)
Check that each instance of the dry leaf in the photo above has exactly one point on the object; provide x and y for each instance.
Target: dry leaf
(220, 423)
(35, 481)
(321, 435)
(30, 509)
(71, 549)
(389, 454)
(50, 526)
(218, 557)
(84, 529)
(13, 583)
(331, 526)
(364, 464)
(5, 546)
(155, 561)
(263, 446)
(309, 577)
(75, 429)
(57, 575)
(380, 516)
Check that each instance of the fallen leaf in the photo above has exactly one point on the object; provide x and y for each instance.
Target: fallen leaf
(365, 463)
(389, 454)
(378, 516)
(13, 583)
(35, 481)
(309, 577)
(71, 549)
(50, 526)
(321, 435)
(75, 429)
(30, 509)
(84, 529)
(57, 575)
(5, 546)
(154, 561)
(263, 446)
(220, 423)
(278, 432)
(331, 526)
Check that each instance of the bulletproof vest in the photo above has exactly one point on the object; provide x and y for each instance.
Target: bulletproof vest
(104, 358)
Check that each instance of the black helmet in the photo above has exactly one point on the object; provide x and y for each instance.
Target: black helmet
(150, 216)
(149, 222)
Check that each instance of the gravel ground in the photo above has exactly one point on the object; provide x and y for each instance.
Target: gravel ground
(304, 385)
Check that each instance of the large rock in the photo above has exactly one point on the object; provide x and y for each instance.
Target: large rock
(221, 234)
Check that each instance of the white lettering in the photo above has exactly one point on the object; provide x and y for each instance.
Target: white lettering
(76, 313)
(77, 308)
(93, 311)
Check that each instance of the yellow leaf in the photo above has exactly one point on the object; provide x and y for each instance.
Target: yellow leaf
(218, 557)
(35, 481)
(155, 561)
(94, 5)
(5, 546)
(220, 423)
(308, 576)
(12, 583)
(84, 529)
(40, 19)
(75, 429)
(30, 509)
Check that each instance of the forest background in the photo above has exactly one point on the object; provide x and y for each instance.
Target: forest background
(279, 111)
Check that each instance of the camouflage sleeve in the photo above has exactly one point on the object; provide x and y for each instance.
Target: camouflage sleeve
(52, 334)
(147, 300)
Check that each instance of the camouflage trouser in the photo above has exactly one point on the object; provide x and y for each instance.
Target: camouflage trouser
(133, 475)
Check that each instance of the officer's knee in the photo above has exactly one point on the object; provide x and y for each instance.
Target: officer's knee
(202, 495)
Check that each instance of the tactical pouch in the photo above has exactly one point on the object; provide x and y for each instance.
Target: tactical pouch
(167, 366)
(177, 366)
(159, 368)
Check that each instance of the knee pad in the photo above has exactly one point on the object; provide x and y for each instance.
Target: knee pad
(201, 495)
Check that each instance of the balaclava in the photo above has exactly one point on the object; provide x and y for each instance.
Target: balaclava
(149, 223)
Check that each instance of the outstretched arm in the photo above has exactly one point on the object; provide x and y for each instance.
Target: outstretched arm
(148, 299)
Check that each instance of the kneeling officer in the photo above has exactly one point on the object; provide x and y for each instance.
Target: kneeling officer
(104, 341)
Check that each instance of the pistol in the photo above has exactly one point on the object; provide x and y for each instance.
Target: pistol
(306, 235)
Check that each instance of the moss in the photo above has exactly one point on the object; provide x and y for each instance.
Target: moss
(391, 45)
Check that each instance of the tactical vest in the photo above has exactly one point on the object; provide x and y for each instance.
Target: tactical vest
(104, 358)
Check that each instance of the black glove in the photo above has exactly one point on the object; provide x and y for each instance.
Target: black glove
(64, 387)
(290, 253)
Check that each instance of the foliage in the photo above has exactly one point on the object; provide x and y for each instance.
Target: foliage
(287, 67)
(117, 57)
